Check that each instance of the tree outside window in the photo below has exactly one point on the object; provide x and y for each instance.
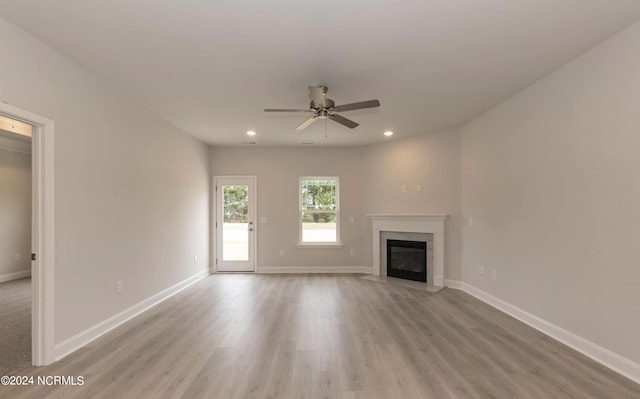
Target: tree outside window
(236, 204)
(319, 209)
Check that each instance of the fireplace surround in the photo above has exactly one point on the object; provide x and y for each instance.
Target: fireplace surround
(428, 228)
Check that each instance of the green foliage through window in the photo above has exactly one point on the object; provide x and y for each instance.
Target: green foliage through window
(319, 209)
(236, 204)
(318, 195)
(318, 217)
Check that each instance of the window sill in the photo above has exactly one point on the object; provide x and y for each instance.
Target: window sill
(319, 245)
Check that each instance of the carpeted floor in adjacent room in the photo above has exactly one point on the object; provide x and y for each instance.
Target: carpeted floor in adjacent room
(15, 326)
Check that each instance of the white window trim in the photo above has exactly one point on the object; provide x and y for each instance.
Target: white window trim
(323, 244)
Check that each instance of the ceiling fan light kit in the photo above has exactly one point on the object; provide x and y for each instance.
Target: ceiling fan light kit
(325, 108)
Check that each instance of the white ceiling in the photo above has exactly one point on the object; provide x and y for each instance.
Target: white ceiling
(210, 67)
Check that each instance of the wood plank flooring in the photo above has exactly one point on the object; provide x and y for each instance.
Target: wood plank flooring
(325, 336)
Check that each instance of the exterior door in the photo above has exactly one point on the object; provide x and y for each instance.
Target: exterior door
(235, 224)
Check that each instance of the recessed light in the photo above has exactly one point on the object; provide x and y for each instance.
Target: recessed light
(251, 133)
(388, 133)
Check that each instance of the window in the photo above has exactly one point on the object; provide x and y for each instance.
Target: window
(319, 210)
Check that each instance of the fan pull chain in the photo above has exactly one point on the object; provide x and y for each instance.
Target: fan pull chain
(326, 122)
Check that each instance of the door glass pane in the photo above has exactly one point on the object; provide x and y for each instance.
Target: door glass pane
(235, 226)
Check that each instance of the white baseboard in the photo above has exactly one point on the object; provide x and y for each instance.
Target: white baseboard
(596, 352)
(313, 269)
(81, 339)
(14, 276)
(454, 284)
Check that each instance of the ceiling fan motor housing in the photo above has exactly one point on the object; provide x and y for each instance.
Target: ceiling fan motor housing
(329, 104)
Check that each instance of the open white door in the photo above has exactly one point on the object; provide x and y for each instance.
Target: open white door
(235, 224)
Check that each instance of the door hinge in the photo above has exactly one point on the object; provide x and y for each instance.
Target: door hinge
(33, 256)
(216, 224)
(216, 261)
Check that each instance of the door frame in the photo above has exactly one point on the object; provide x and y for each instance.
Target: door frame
(42, 233)
(252, 208)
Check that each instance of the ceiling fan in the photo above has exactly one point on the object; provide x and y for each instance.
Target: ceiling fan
(323, 108)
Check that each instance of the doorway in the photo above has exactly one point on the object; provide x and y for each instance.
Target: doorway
(235, 201)
(42, 232)
(15, 245)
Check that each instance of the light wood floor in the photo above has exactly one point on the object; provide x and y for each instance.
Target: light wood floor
(319, 336)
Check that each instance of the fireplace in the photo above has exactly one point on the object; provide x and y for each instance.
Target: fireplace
(423, 228)
(407, 260)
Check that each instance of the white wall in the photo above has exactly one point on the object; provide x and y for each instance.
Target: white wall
(429, 160)
(15, 211)
(370, 180)
(132, 191)
(278, 170)
(550, 178)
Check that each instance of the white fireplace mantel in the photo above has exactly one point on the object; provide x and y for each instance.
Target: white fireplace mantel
(411, 224)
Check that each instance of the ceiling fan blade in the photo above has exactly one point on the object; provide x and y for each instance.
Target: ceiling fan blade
(306, 123)
(359, 105)
(286, 110)
(316, 94)
(343, 121)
